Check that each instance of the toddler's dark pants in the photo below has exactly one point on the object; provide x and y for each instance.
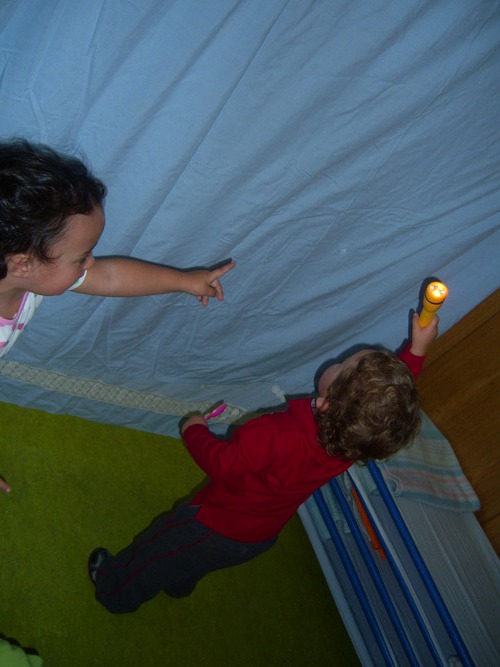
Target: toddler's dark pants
(172, 555)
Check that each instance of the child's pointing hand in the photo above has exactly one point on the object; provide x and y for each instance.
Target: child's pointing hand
(205, 284)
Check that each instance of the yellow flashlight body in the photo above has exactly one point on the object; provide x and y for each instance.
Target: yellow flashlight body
(434, 297)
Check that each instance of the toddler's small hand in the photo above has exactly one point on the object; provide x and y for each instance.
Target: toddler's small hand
(191, 421)
(423, 337)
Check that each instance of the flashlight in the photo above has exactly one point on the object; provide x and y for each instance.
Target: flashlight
(434, 297)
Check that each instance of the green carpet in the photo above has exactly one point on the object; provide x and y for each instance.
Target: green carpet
(77, 485)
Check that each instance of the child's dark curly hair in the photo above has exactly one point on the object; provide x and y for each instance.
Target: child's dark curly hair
(39, 190)
(372, 411)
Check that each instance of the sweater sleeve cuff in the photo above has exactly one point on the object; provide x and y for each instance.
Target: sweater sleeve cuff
(191, 432)
(414, 363)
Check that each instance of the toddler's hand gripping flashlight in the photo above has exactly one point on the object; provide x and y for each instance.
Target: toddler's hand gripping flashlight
(434, 297)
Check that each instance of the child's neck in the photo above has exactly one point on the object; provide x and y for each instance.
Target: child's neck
(10, 300)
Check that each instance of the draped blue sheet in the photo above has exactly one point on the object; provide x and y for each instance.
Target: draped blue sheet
(339, 151)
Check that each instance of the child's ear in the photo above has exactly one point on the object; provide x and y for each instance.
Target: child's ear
(19, 265)
(321, 404)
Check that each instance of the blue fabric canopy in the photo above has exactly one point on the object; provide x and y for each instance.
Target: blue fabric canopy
(340, 152)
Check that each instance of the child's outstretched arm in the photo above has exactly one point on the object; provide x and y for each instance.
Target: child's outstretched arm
(121, 276)
(423, 337)
(4, 487)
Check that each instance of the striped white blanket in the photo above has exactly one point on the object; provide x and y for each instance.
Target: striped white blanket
(428, 471)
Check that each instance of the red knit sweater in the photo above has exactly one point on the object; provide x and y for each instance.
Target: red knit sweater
(269, 468)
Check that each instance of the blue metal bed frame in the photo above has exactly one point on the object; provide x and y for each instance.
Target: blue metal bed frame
(386, 650)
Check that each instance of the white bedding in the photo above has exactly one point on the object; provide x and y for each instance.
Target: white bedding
(340, 152)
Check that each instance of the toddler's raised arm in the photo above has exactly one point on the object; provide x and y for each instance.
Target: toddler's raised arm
(423, 337)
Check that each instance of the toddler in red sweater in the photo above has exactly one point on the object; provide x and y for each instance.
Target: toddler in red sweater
(367, 408)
